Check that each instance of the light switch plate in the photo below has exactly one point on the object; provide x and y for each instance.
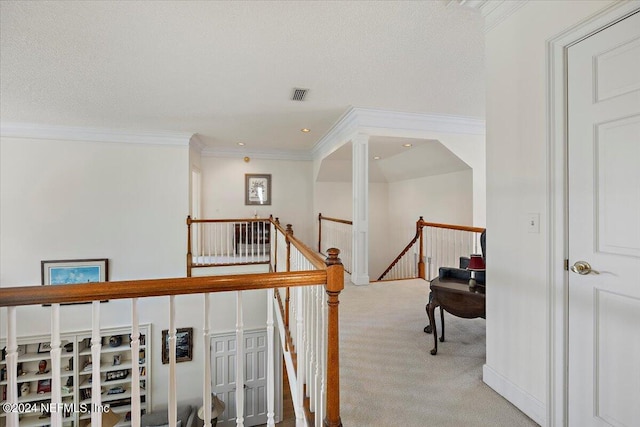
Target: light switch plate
(533, 222)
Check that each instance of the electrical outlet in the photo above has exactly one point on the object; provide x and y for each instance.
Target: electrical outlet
(533, 222)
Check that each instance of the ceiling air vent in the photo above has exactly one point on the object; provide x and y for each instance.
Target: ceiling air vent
(299, 94)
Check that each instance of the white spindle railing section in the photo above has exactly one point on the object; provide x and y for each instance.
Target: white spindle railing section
(228, 242)
(336, 233)
(206, 392)
(433, 246)
(96, 346)
(311, 282)
(135, 363)
(56, 353)
(308, 309)
(443, 247)
(173, 400)
(406, 267)
(271, 307)
(12, 367)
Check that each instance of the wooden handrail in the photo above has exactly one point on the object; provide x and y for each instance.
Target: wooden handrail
(195, 221)
(83, 292)
(342, 221)
(404, 251)
(420, 224)
(315, 258)
(451, 226)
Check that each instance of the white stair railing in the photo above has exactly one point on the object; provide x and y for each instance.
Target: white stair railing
(336, 233)
(311, 280)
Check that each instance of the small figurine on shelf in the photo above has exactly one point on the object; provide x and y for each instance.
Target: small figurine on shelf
(25, 389)
(42, 367)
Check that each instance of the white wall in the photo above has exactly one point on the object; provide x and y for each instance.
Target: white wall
(223, 182)
(395, 207)
(124, 202)
(517, 264)
(471, 149)
(446, 199)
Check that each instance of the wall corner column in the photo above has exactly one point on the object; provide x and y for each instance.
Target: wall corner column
(360, 191)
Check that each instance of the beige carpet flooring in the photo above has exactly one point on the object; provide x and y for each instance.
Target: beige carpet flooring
(388, 378)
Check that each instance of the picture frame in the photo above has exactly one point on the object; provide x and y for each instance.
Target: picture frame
(184, 345)
(44, 386)
(44, 347)
(257, 189)
(74, 271)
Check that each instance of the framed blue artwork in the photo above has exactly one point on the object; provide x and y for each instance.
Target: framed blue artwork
(73, 271)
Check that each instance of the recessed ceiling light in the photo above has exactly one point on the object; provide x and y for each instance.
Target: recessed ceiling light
(305, 130)
(376, 158)
(241, 143)
(407, 145)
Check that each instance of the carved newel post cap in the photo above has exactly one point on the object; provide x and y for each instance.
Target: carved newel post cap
(332, 257)
(277, 220)
(289, 229)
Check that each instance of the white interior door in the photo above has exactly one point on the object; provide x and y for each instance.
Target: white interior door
(604, 227)
(223, 377)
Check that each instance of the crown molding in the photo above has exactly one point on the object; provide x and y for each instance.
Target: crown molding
(393, 123)
(197, 144)
(493, 11)
(296, 155)
(65, 133)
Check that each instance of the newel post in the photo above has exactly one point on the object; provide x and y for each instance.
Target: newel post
(335, 284)
(421, 269)
(320, 232)
(274, 238)
(189, 256)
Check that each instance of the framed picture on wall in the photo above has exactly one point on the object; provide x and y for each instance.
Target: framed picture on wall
(184, 345)
(257, 189)
(74, 271)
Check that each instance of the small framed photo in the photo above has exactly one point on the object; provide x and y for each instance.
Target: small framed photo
(44, 347)
(257, 189)
(74, 271)
(184, 345)
(44, 386)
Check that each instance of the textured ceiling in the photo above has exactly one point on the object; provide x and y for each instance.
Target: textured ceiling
(225, 70)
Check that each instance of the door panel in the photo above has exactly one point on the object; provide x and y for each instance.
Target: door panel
(604, 227)
(223, 362)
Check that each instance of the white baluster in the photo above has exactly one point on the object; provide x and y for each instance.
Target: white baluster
(56, 387)
(135, 364)
(173, 412)
(206, 392)
(96, 346)
(12, 366)
(300, 375)
(270, 361)
(239, 362)
(311, 353)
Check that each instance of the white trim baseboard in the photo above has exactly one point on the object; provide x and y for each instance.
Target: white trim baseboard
(528, 404)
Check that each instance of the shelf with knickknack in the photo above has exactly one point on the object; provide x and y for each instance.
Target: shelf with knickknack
(76, 371)
(34, 378)
(116, 366)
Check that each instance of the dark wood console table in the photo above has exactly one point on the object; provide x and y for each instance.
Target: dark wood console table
(454, 296)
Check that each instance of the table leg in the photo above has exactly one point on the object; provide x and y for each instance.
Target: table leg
(442, 323)
(431, 310)
(427, 329)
